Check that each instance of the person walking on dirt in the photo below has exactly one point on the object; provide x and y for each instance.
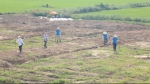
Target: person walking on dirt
(58, 34)
(115, 40)
(105, 37)
(20, 43)
(45, 38)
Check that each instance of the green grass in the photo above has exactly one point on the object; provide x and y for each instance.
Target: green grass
(27, 5)
(130, 12)
(116, 68)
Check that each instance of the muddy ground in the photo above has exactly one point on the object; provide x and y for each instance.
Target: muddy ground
(77, 35)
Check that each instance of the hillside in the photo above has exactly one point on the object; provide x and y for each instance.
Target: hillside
(81, 57)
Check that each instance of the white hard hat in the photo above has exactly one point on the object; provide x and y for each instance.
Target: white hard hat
(104, 32)
(18, 36)
(58, 28)
(115, 35)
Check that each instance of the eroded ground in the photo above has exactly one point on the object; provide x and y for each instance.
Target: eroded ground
(77, 35)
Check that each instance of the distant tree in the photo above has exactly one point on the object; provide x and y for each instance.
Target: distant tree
(47, 5)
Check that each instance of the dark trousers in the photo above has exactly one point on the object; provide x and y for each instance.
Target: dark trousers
(114, 46)
(45, 42)
(58, 38)
(105, 41)
(20, 48)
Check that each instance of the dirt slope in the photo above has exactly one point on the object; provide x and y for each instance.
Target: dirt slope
(77, 35)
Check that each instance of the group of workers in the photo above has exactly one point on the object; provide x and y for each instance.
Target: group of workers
(58, 39)
(114, 41)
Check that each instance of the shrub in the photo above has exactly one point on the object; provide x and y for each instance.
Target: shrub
(40, 13)
(127, 19)
(1, 13)
(133, 5)
(115, 17)
(137, 19)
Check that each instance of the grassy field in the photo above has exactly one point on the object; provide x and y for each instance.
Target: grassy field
(75, 60)
(27, 5)
(130, 12)
(82, 67)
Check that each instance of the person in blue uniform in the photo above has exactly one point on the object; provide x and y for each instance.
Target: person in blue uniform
(115, 41)
(58, 35)
(105, 37)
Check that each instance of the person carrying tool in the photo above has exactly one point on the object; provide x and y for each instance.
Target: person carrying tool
(58, 34)
(114, 42)
(105, 37)
(45, 38)
(20, 43)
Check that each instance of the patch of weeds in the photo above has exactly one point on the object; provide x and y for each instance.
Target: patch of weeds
(32, 71)
(102, 76)
(64, 73)
(90, 35)
(134, 50)
(45, 68)
(36, 42)
(85, 53)
(26, 66)
(6, 73)
(59, 81)
(60, 66)
(5, 81)
(48, 60)
(18, 75)
(36, 78)
(79, 63)
(81, 79)
(53, 76)
(125, 80)
(142, 51)
(3, 29)
(33, 41)
(7, 45)
(89, 53)
(10, 32)
(83, 68)
(100, 68)
(126, 50)
(140, 62)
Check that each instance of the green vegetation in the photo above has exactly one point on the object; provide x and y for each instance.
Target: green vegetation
(98, 65)
(131, 14)
(126, 10)
(27, 5)
(116, 68)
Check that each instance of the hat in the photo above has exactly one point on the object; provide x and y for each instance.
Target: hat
(115, 35)
(58, 28)
(104, 32)
(18, 36)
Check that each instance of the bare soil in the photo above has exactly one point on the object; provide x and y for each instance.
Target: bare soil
(78, 35)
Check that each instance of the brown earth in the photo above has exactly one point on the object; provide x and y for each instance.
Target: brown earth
(77, 35)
